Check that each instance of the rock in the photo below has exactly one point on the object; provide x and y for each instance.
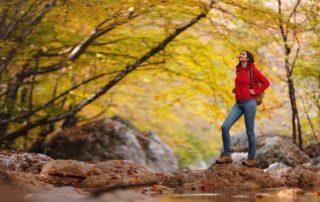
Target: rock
(63, 181)
(67, 168)
(177, 179)
(239, 142)
(26, 182)
(125, 168)
(236, 173)
(249, 186)
(316, 161)
(119, 172)
(22, 161)
(67, 172)
(313, 150)
(238, 157)
(110, 139)
(289, 193)
(110, 180)
(270, 149)
(159, 155)
(232, 176)
(100, 140)
(303, 175)
(96, 176)
(278, 149)
(277, 168)
(104, 181)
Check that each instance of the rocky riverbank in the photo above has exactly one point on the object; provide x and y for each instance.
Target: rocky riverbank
(109, 159)
(36, 175)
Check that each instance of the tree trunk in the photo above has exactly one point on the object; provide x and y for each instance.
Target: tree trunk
(296, 127)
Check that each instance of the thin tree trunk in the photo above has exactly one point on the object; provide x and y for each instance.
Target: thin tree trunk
(283, 27)
(296, 126)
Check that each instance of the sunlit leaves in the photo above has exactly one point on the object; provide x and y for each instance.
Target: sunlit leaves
(184, 92)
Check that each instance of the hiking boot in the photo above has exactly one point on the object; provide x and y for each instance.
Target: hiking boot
(249, 162)
(224, 159)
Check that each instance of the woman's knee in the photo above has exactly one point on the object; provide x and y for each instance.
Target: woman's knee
(250, 133)
(225, 127)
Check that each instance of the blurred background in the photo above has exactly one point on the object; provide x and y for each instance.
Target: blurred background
(65, 63)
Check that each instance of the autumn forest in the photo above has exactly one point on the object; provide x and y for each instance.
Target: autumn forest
(167, 66)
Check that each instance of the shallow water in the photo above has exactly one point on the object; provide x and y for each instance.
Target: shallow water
(266, 195)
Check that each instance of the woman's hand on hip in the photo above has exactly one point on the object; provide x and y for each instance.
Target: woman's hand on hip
(251, 92)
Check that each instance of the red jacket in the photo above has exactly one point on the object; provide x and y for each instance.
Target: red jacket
(242, 82)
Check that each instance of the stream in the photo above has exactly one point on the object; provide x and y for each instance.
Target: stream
(265, 195)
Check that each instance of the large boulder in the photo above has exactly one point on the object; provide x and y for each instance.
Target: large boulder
(22, 161)
(109, 139)
(118, 172)
(302, 175)
(239, 142)
(278, 149)
(101, 175)
(269, 149)
(219, 177)
(231, 176)
(313, 150)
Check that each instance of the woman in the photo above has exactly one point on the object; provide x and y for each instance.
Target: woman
(245, 104)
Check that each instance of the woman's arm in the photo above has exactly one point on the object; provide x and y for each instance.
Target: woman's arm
(262, 79)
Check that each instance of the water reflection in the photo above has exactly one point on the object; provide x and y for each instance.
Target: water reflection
(266, 195)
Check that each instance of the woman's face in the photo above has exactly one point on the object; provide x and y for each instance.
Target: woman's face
(243, 56)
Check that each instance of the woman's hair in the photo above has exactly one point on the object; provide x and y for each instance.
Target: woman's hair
(250, 57)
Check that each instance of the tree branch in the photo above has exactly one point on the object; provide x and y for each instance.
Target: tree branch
(125, 71)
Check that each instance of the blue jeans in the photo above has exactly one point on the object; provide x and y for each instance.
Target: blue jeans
(248, 108)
